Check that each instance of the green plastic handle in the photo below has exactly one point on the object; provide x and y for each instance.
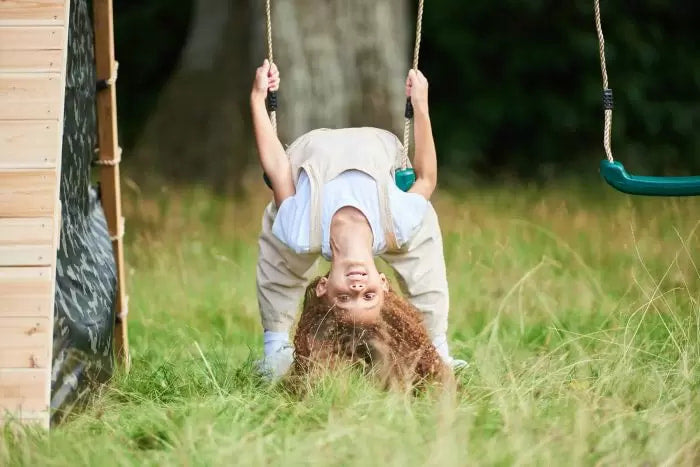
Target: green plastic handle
(405, 178)
(615, 174)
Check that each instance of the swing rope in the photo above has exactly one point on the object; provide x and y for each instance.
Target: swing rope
(607, 92)
(272, 96)
(614, 172)
(404, 176)
(409, 109)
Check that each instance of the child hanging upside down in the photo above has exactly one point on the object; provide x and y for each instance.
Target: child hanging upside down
(335, 195)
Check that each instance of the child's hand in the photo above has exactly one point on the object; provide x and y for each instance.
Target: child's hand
(417, 90)
(267, 77)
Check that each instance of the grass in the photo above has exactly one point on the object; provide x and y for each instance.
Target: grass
(578, 311)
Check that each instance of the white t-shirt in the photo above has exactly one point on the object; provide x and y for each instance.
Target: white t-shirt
(351, 188)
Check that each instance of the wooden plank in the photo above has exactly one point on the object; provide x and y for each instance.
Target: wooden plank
(27, 93)
(18, 61)
(26, 292)
(31, 38)
(25, 342)
(27, 241)
(109, 174)
(26, 231)
(24, 390)
(32, 12)
(28, 193)
(27, 418)
(29, 144)
(27, 255)
(58, 223)
(31, 96)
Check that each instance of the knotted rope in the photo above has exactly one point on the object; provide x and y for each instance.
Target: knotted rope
(607, 92)
(270, 57)
(416, 51)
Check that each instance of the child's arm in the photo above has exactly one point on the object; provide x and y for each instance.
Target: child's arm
(425, 159)
(273, 159)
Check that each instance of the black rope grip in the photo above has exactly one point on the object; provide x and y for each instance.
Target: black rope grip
(272, 101)
(409, 109)
(607, 99)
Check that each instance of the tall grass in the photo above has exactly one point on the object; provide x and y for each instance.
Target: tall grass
(579, 313)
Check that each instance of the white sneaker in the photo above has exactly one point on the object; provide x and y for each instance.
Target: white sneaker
(277, 364)
(458, 365)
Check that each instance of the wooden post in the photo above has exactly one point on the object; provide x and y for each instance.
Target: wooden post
(109, 157)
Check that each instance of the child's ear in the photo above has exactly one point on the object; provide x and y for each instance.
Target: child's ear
(322, 287)
(385, 282)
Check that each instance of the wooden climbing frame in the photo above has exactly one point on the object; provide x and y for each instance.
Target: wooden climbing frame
(108, 160)
(33, 51)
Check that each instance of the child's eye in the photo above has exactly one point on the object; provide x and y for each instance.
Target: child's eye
(343, 298)
(369, 296)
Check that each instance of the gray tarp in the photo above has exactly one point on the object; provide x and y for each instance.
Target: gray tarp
(85, 270)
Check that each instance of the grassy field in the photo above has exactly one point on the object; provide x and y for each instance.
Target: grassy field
(578, 311)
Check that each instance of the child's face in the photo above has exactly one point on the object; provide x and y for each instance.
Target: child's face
(357, 288)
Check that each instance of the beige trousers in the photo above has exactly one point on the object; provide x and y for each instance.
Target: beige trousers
(282, 275)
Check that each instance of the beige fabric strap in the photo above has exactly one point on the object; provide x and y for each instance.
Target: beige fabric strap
(416, 51)
(607, 129)
(386, 218)
(315, 233)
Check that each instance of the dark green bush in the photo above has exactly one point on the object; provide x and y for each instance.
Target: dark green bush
(515, 84)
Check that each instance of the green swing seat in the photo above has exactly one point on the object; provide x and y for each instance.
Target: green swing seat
(615, 174)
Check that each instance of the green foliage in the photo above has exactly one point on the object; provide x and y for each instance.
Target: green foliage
(580, 317)
(516, 85)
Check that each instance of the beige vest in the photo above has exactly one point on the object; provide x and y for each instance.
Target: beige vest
(324, 154)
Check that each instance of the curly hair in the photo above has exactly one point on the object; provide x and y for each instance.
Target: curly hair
(393, 345)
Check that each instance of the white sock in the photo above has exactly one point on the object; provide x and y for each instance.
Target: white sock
(274, 341)
(440, 343)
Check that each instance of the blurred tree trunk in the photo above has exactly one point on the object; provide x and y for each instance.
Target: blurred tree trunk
(200, 130)
(342, 64)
